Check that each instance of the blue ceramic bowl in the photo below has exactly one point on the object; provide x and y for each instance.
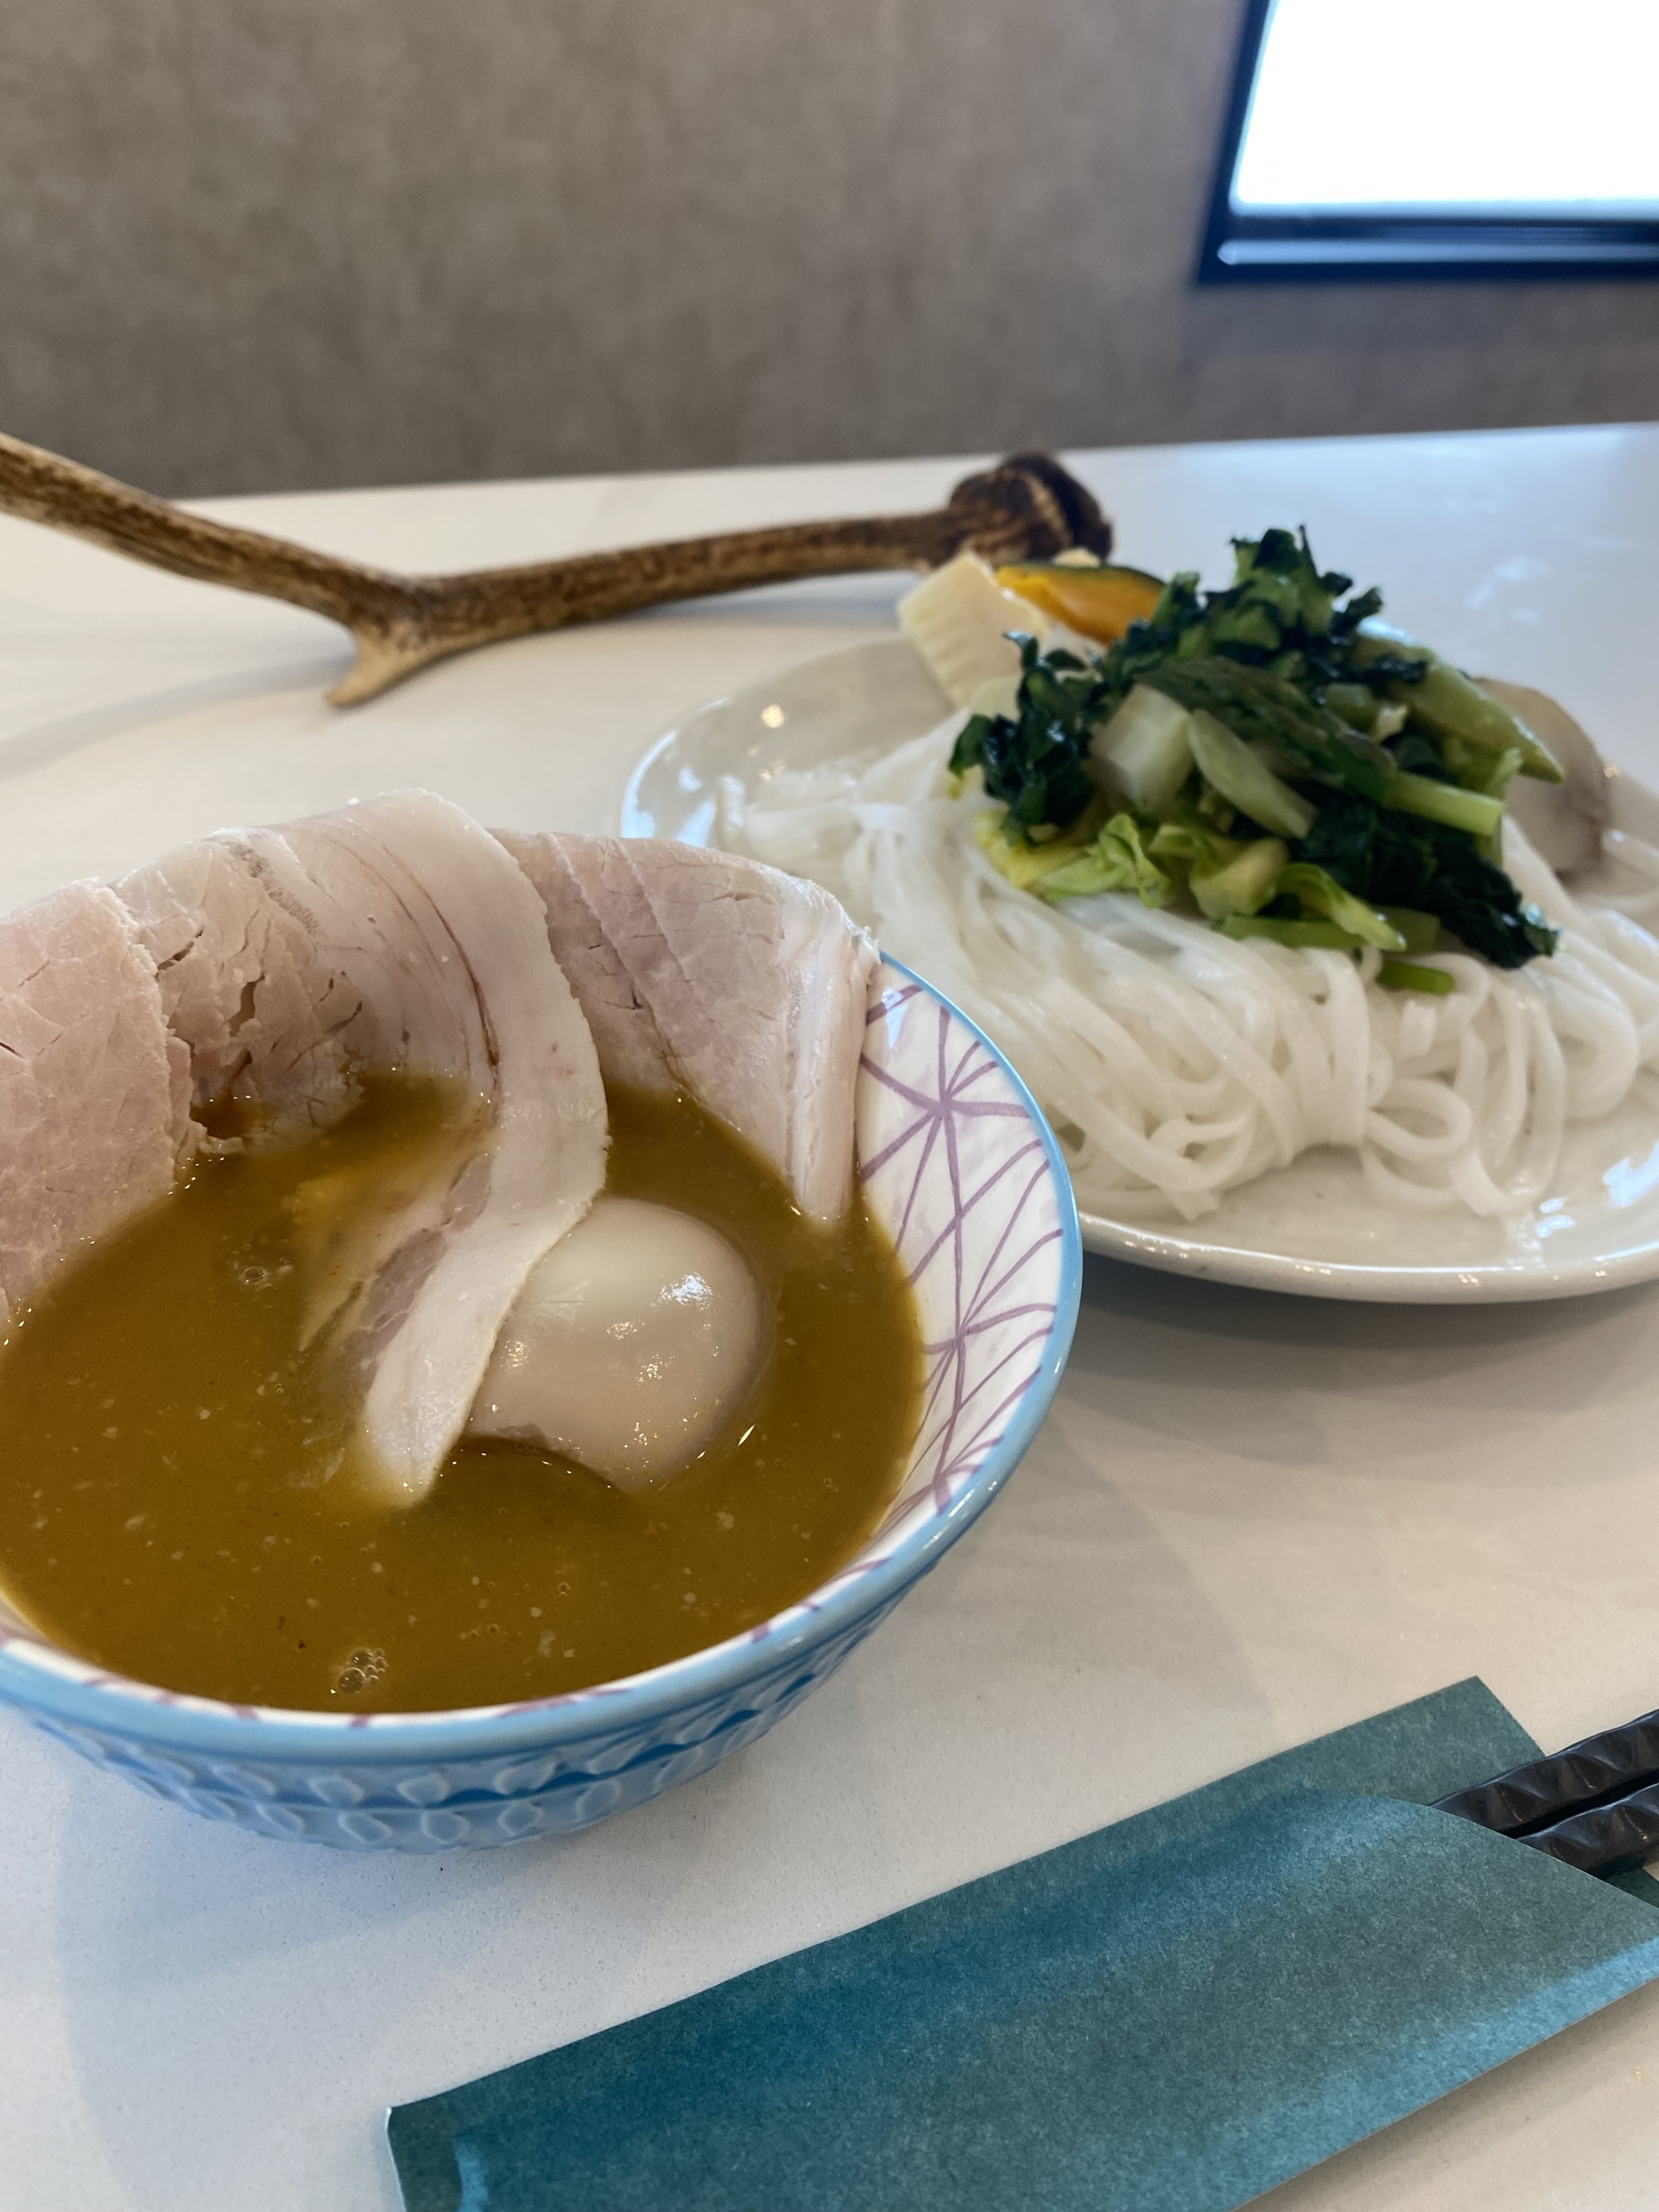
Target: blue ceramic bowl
(960, 1165)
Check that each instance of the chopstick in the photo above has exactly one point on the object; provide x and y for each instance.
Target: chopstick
(1595, 1806)
(1027, 507)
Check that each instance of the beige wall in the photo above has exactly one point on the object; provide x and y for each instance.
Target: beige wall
(250, 244)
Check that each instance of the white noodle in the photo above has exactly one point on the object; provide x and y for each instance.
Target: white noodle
(1177, 1064)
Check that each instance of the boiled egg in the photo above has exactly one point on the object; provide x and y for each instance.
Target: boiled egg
(631, 1343)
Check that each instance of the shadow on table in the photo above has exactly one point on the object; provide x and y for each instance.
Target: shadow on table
(1304, 1380)
(48, 742)
(1226, 1312)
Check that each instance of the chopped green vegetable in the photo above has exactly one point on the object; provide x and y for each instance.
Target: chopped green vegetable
(1492, 773)
(1472, 812)
(1192, 838)
(1419, 933)
(1146, 749)
(1277, 720)
(1260, 703)
(1027, 865)
(1403, 975)
(1117, 860)
(1238, 883)
(1036, 764)
(1323, 934)
(1324, 894)
(1451, 704)
(1355, 704)
(1392, 860)
(1280, 612)
(1229, 766)
(1178, 840)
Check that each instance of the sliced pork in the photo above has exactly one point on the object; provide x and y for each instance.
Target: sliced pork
(277, 966)
(701, 971)
(395, 934)
(93, 1122)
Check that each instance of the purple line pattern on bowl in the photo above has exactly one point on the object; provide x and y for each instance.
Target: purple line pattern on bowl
(964, 1172)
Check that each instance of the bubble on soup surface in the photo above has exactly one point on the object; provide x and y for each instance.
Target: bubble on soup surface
(363, 1667)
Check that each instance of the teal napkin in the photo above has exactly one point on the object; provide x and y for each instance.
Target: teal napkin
(1169, 2015)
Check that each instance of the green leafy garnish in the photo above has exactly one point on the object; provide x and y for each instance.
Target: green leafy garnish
(1257, 704)
(1390, 859)
(1406, 975)
(1326, 935)
(1278, 720)
(1117, 861)
(1281, 613)
(1418, 931)
(1036, 762)
(1319, 893)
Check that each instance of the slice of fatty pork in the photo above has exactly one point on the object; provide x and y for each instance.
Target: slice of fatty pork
(701, 971)
(93, 1122)
(395, 934)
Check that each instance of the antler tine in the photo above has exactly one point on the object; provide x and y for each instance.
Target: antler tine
(1028, 507)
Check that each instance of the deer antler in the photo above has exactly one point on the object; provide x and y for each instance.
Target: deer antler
(1028, 507)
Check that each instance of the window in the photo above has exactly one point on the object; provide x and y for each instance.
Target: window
(1456, 138)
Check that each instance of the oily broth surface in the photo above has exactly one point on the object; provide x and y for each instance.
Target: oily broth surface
(177, 1495)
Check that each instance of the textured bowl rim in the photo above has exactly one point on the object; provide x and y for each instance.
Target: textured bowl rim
(40, 1680)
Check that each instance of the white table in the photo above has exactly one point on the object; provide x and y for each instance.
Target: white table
(1247, 1520)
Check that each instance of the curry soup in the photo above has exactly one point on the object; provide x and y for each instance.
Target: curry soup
(178, 1496)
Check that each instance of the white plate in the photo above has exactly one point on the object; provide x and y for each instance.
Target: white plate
(1310, 1227)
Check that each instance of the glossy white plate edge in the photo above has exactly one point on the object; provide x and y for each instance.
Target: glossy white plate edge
(808, 696)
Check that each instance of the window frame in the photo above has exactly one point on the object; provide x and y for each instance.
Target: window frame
(1279, 249)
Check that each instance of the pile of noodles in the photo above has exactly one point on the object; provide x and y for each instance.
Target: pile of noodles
(1177, 1064)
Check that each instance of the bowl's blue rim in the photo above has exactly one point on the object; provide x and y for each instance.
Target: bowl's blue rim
(286, 1736)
